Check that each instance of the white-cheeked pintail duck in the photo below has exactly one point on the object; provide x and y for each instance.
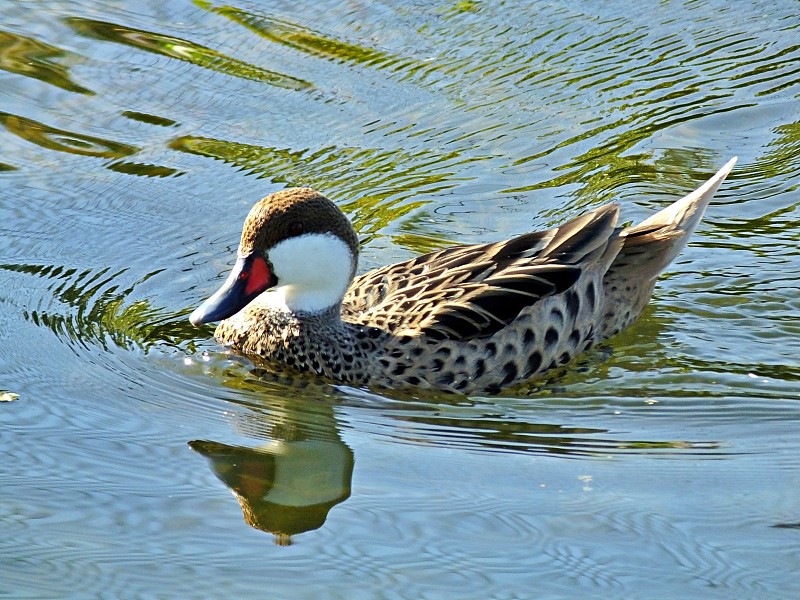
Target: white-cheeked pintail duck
(468, 319)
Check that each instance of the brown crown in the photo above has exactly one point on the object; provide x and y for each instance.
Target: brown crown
(292, 212)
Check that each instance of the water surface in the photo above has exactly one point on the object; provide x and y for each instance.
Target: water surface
(134, 137)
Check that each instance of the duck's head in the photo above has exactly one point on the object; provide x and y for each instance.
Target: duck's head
(295, 243)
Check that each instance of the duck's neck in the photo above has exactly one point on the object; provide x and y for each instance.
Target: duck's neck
(283, 307)
(268, 328)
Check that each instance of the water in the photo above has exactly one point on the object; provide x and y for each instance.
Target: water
(134, 136)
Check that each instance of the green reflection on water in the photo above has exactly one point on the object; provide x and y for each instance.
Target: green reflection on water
(184, 50)
(32, 58)
(616, 157)
(782, 156)
(149, 119)
(71, 142)
(65, 141)
(301, 38)
(143, 169)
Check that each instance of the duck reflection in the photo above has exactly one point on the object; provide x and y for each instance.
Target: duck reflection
(288, 485)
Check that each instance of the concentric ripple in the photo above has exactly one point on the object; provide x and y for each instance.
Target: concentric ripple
(98, 311)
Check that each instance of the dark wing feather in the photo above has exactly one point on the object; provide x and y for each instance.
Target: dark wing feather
(474, 291)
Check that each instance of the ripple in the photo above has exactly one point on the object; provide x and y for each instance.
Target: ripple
(99, 312)
(60, 564)
(604, 534)
(516, 436)
(586, 568)
(501, 427)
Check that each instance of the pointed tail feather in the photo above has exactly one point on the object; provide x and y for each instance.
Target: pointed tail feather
(647, 249)
(655, 242)
(686, 213)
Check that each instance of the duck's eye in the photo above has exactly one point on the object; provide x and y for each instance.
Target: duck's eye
(295, 228)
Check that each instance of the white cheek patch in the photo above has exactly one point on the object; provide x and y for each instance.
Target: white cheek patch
(313, 271)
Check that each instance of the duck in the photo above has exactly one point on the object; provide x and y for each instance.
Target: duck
(467, 319)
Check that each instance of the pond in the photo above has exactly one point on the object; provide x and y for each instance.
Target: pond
(141, 460)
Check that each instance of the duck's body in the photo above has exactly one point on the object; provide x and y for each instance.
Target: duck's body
(468, 319)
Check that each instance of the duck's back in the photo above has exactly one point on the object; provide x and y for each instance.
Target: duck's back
(482, 317)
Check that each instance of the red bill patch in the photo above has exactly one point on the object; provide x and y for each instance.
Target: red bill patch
(258, 276)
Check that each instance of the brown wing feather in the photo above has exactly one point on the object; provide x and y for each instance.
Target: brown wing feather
(474, 291)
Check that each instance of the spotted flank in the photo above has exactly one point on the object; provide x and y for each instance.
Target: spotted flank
(468, 319)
